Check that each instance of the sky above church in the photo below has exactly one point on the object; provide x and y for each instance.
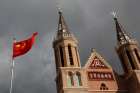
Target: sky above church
(89, 20)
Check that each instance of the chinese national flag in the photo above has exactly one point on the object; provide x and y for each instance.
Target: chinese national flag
(22, 47)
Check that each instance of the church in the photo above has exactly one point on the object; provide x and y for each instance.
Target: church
(96, 76)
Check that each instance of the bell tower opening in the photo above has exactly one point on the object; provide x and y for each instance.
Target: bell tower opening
(137, 54)
(125, 67)
(61, 55)
(130, 59)
(70, 55)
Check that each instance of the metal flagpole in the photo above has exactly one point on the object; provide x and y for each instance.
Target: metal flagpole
(12, 75)
(12, 71)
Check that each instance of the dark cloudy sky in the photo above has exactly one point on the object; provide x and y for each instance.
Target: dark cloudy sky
(89, 20)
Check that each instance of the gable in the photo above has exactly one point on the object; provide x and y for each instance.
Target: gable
(96, 61)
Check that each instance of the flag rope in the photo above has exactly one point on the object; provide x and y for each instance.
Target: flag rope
(12, 75)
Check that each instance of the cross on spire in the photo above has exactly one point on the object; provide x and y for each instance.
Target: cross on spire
(114, 14)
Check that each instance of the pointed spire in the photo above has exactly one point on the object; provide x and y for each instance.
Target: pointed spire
(63, 31)
(62, 26)
(122, 36)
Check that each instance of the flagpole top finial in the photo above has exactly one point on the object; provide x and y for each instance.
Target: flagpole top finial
(14, 39)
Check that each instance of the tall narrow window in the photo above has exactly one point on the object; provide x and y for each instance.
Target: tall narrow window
(79, 80)
(70, 55)
(56, 58)
(123, 64)
(137, 54)
(130, 59)
(77, 56)
(61, 55)
(70, 80)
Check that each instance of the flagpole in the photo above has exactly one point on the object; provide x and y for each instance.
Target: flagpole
(12, 65)
(12, 75)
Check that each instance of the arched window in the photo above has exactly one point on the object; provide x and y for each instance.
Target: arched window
(70, 55)
(79, 80)
(130, 59)
(70, 80)
(103, 87)
(137, 54)
(61, 55)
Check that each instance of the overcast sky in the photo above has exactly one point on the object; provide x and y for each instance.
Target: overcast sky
(89, 20)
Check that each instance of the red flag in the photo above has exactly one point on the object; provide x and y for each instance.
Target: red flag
(22, 47)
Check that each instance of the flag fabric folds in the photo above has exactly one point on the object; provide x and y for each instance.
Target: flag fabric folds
(22, 47)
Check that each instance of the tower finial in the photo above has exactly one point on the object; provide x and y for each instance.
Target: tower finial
(114, 14)
(59, 9)
(93, 50)
(59, 6)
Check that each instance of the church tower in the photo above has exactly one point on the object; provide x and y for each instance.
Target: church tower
(68, 68)
(129, 54)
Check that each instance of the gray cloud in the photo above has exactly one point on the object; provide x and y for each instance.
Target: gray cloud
(89, 20)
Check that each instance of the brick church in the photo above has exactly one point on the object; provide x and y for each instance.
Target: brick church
(96, 76)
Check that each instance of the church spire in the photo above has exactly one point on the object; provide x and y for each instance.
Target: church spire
(62, 26)
(122, 36)
(127, 49)
(63, 31)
